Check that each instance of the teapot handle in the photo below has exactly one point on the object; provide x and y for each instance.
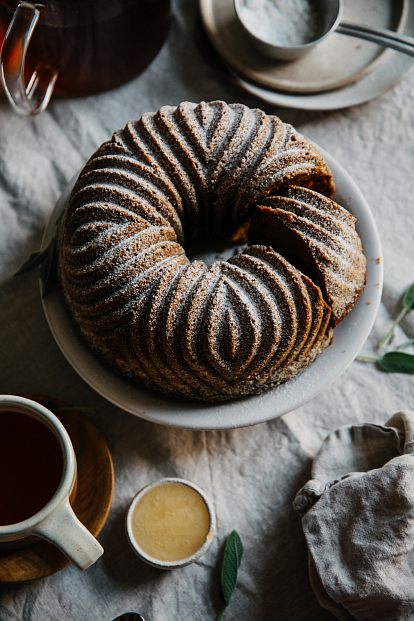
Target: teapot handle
(34, 97)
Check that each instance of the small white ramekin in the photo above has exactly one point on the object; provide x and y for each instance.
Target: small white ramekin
(168, 564)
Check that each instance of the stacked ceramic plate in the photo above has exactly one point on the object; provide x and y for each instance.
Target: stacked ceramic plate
(340, 71)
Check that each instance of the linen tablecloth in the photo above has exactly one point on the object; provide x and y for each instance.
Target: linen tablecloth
(251, 474)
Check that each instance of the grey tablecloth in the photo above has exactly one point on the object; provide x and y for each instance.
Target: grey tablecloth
(251, 474)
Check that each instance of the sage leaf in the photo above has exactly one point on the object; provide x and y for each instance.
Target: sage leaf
(36, 258)
(76, 408)
(408, 305)
(231, 562)
(408, 299)
(46, 259)
(50, 405)
(47, 270)
(53, 407)
(397, 362)
(406, 344)
(367, 359)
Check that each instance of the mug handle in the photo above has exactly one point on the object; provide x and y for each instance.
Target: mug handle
(34, 97)
(64, 529)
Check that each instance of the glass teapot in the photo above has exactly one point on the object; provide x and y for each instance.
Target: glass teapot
(77, 47)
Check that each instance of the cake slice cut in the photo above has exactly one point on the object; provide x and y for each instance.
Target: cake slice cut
(321, 315)
(318, 237)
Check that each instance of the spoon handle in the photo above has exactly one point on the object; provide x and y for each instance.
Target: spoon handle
(130, 616)
(388, 38)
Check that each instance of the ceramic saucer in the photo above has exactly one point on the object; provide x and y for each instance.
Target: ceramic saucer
(336, 62)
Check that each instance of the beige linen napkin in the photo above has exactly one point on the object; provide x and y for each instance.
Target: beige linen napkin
(358, 520)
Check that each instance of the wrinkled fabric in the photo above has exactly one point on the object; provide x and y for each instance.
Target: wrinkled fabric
(251, 474)
(359, 525)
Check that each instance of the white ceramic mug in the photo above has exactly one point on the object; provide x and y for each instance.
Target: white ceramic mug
(56, 521)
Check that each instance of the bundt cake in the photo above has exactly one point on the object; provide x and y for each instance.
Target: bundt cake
(183, 328)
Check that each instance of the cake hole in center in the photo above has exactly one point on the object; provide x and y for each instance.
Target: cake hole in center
(213, 248)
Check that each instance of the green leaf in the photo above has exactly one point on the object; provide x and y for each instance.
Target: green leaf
(397, 362)
(408, 299)
(367, 359)
(406, 344)
(53, 407)
(46, 259)
(390, 332)
(47, 270)
(35, 259)
(408, 305)
(231, 562)
(75, 408)
(50, 405)
(222, 613)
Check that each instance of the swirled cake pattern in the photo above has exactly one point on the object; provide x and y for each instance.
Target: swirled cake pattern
(318, 236)
(184, 328)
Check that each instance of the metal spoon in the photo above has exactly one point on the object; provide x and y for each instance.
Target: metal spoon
(329, 13)
(130, 616)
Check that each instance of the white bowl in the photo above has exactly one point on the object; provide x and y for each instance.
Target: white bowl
(328, 16)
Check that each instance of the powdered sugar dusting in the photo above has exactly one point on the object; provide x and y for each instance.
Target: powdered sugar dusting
(281, 22)
(210, 333)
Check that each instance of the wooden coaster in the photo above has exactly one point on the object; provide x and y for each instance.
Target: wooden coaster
(92, 502)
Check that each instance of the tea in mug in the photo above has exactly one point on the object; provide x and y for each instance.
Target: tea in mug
(31, 466)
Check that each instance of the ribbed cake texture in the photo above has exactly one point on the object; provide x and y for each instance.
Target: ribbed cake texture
(184, 328)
